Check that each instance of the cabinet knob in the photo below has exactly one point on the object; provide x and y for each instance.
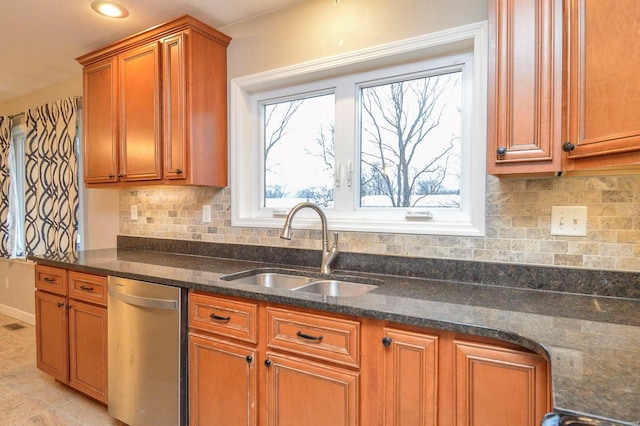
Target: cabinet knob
(111, 175)
(568, 146)
(386, 341)
(178, 171)
(501, 151)
(120, 175)
(249, 359)
(60, 305)
(267, 363)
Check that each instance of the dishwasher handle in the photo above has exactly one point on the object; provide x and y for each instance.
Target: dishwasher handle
(146, 302)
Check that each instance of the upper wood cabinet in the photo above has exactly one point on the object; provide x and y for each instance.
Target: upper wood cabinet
(155, 108)
(524, 86)
(562, 95)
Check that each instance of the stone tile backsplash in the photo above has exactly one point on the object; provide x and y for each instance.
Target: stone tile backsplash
(518, 220)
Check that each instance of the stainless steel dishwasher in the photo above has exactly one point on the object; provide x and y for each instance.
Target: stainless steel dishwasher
(146, 363)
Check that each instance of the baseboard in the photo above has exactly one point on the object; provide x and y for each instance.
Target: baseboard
(18, 314)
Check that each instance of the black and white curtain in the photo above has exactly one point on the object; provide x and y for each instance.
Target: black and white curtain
(5, 143)
(51, 185)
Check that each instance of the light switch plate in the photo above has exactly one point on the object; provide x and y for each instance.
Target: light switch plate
(569, 220)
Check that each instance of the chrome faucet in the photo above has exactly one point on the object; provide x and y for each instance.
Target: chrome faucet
(328, 255)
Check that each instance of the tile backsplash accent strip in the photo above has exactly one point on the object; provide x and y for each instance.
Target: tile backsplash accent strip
(517, 224)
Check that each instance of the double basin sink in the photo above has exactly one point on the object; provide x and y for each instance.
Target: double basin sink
(300, 282)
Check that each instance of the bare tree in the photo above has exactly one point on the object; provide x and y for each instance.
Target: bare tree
(277, 117)
(402, 116)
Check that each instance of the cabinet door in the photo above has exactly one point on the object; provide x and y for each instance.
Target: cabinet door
(140, 143)
(603, 89)
(524, 86)
(52, 335)
(498, 386)
(222, 382)
(174, 81)
(306, 393)
(100, 121)
(410, 373)
(88, 349)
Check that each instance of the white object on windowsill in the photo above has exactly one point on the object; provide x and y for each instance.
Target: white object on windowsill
(418, 215)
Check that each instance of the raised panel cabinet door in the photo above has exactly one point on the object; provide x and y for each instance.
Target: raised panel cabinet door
(88, 349)
(410, 372)
(140, 128)
(499, 386)
(603, 89)
(301, 392)
(174, 92)
(52, 335)
(524, 125)
(222, 382)
(100, 121)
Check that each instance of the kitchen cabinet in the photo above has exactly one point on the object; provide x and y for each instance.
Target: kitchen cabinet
(312, 368)
(258, 363)
(561, 91)
(71, 329)
(223, 358)
(524, 86)
(499, 386)
(155, 108)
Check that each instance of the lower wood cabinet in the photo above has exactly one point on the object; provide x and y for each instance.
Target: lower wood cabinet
(71, 332)
(255, 363)
(223, 376)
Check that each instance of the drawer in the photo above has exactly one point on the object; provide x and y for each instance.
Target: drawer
(321, 337)
(88, 287)
(51, 279)
(226, 317)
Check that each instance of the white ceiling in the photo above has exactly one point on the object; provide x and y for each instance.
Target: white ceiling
(40, 39)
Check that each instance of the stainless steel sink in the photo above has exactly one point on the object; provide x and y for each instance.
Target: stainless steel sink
(299, 282)
(336, 288)
(273, 280)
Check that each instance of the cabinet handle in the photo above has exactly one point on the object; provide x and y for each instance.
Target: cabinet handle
(120, 175)
(249, 359)
(178, 171)
(267, 363)
(308, 336)
(111, 175)
(60, 305)
(86, 288)
(49, 280)
(501, 151)
(219, 318)
(568, 147)
(386, 342)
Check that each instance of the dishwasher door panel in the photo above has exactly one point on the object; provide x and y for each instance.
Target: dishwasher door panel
(144, 352)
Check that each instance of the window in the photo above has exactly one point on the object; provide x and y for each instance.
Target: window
(390, 139)
(16, 244)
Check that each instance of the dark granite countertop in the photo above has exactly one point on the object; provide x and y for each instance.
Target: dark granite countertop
(593, 342)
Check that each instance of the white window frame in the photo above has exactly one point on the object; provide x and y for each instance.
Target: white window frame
(245, 145)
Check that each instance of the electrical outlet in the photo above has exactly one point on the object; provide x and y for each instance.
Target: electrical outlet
(569, 220)
(206, 213)
(134, 212)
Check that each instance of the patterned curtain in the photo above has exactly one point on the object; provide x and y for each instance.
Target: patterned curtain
(51, 185)
(5, 141)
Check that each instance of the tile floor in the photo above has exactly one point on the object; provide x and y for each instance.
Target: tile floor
(30, 397)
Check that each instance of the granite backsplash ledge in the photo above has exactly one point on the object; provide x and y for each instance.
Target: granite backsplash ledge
(567, 280)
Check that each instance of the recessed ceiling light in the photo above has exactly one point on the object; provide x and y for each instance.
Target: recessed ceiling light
(110, 9)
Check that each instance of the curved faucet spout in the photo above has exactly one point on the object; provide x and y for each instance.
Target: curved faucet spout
(328, 255)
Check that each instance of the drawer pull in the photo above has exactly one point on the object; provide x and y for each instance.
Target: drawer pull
(86, 288)
(308, 336)
(49, 279)
(220, 319)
